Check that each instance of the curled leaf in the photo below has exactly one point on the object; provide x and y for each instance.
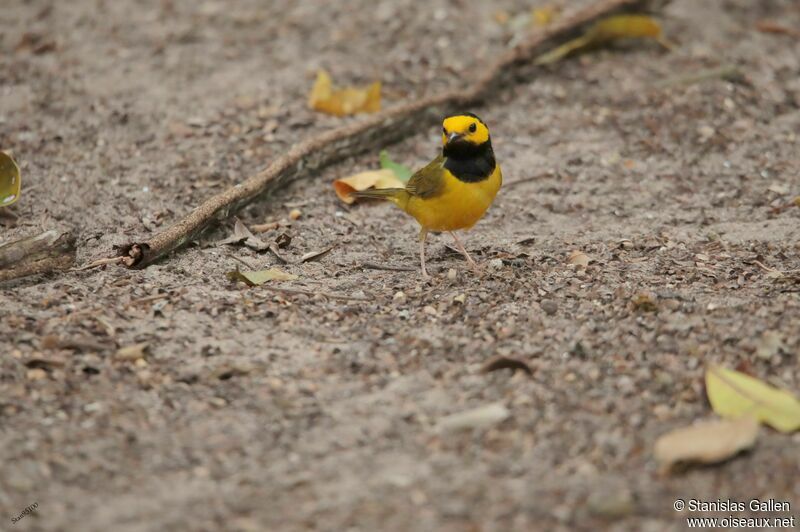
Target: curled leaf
(314, 255)
(733, 394)
(605, 31)
(403, 173)
(260, 277)
(342, 102)
(10, 180)
(708, 442)
(370, 179)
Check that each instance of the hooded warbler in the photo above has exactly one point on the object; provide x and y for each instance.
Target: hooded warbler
(454, 190)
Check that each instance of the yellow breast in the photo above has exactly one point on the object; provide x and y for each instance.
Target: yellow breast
(459, 206)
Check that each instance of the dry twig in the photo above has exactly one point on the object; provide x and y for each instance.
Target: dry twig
(46, 252)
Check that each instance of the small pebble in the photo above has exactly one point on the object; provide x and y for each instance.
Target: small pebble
(549, 307)
(460, 298)
(496, 264)
(294, 214)
(399, 297)
(36, 374)
(451, 274)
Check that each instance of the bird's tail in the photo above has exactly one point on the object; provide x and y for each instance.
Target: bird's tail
(391, 194)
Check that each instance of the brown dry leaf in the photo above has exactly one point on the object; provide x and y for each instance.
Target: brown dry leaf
(260, 277)
(384, 178)
(241, 234)
(605, 31)
(131, 352)
(343, 102)
(733, 394)
(502, 362)
(579, 258)
(708, 442)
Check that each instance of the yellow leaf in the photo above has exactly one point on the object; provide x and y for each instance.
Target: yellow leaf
(624, 27)
(605, 31)
(708, 442)
(542, 16)
(342, 102)
(384, 178)
(260, 277)
(733, 394)
(10, 180)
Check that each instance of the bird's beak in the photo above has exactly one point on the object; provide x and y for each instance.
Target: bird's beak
(453, 136)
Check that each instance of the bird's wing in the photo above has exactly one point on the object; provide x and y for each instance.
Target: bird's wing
(428, 181)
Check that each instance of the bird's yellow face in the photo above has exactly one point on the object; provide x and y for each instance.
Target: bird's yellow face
(464, 128)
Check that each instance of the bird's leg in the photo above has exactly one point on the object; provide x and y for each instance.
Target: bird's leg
(423, 234)
(463, 251)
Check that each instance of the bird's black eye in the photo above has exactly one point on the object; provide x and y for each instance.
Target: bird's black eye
(473, 127)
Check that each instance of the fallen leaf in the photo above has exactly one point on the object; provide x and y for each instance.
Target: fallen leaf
(708, 442)
(10, 180)
(241, 234)
(778, 188)
(625, 27)
(260, 277)
(401, 172)
(579, 258)
(131, 352)
(606, 31)
(313, 255)
(733, 394)
(767, 26)
(45, 363)
(483, 416)
(342, 102)
(502, 362)
(383, 178)
(273, 247)
(283, 240)
(542, 16)
(644, 302)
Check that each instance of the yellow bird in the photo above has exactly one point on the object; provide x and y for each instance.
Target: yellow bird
(454, 190)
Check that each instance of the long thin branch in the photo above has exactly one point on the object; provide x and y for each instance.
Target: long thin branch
(375, 131)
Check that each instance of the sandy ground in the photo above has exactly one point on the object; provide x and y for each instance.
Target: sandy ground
(255, 410)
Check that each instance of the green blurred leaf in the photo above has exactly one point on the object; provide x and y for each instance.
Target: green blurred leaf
(260, 277)
(403, 173)
(10, 180)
